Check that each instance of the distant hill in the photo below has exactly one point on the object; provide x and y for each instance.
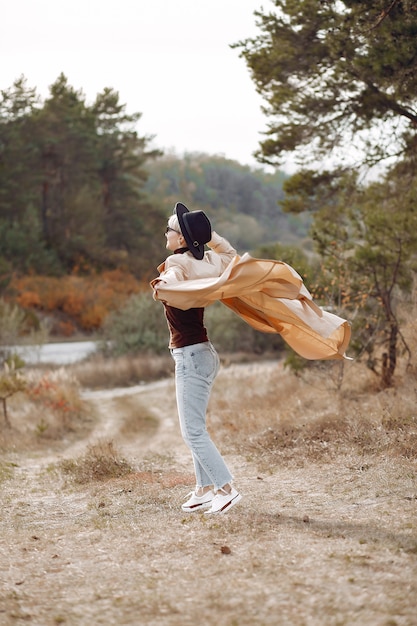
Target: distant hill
(242, 202)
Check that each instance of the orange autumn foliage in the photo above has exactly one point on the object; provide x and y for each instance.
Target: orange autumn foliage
(83, 301)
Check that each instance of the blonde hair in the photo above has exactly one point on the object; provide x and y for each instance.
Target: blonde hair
(174, 223)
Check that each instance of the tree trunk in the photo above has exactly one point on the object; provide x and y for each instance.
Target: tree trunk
(389, 359)
(6, 417)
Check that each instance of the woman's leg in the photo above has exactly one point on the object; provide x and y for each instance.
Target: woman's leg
(195, 370)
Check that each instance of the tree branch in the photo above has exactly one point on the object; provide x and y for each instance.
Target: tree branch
(384, 14)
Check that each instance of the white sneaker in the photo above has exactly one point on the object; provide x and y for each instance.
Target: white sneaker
(223, 502)
(196, 503)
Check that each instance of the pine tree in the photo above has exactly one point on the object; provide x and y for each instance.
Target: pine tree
(336, 73)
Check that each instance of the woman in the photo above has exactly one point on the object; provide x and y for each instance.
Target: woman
(196, 360)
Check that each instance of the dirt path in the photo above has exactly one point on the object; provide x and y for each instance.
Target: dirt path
(315, 544)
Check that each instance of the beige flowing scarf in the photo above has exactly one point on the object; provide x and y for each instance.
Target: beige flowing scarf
(271, 297)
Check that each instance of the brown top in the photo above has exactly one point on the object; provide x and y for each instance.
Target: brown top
(185, 327)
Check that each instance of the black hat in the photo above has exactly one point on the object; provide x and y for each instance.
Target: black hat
(195, 227)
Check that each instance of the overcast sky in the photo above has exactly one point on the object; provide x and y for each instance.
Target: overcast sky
(168, 59)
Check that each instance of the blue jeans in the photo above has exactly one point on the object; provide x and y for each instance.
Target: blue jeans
(196, 368)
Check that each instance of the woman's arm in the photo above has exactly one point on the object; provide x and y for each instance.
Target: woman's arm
(222, 248)
(171, 271)
(220, 245)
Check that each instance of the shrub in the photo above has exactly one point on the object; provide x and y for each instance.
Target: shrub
(231, 334)
(84, 301)
(12, 323)
(11, 382)
(101, 462)
(57, 395)
(139, 326)
(6, 272)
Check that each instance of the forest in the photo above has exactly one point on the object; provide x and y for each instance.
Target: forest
(80, 190)
(84, 198)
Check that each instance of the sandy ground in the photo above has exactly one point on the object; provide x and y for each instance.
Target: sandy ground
(313, 544)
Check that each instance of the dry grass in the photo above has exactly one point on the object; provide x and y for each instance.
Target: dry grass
(102, 461)
(277, 415)
(92, 532)
(50, 412)
(99, 372)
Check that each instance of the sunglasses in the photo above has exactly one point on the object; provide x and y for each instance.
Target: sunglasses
(168, 229)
